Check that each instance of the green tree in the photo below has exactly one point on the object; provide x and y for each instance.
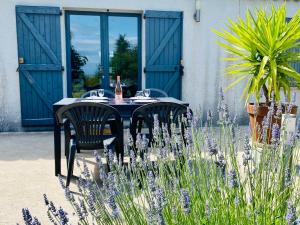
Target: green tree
(77, 62)
(124, 60)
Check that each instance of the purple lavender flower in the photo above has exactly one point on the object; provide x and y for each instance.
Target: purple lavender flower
(291, 141)
(221, 163)
(233, 180)
(86, 170)
(226, 115)
(130, 139)
(298, 129)
(112, 204)
(266, 121)
(156, 128)
(287, 178)
(188, 136)
(91, 202)
(233, 134)
(69, 196)
(83, 208)
(132, 158)
(190, 166)
(236, 201)
(111, 157)
(291, 217)
(279, 110)
(51, 219)
(151, 181)
(289, 108)
(189, 114)
(26, 216)
(79, 212)
(63, 216)
(166, 135)
(46, 199)
(160, 198)
(61, 181)
(196, 124)
(52, 208)
(211, 146)
(185, 201)
(112, 188)
(162, 152)
(247, 152)
(275, 134)
(151, 213)
(160, 219)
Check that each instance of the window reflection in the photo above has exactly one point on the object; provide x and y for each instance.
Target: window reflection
(123, 52)
(85, 53)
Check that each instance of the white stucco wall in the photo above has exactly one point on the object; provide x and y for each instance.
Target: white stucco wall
(203, 66)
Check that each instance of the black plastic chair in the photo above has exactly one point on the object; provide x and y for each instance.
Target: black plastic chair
(144, 115)
(88, 120)
(107, 93)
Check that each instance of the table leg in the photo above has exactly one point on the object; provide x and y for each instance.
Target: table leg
(57, 146)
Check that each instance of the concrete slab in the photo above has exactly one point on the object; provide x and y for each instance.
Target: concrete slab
(26, 173)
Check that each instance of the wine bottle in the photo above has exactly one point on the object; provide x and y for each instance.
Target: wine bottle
(118, 89)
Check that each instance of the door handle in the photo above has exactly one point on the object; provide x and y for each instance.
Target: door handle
(21, 60)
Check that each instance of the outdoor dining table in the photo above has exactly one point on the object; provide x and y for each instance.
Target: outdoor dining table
(125, 108)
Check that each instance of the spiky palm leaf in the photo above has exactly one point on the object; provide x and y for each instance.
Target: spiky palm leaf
(260, 47)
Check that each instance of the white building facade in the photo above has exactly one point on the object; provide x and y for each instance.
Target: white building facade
(200, 56)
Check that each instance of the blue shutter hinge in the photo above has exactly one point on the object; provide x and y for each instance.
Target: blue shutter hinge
(144, 70)
(60, 12)
(144, 16)
(62, 68)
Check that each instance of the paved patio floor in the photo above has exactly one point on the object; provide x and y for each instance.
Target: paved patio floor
(26, 173)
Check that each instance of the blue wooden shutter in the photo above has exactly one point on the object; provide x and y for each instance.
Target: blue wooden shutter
(40, 75)
(164, 51)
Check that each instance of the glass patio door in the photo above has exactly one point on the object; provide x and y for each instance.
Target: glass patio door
(85, 47)
(101, 46)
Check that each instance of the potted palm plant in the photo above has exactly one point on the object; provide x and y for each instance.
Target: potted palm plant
(261, 49)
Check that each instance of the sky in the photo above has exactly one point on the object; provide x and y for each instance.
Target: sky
(85, 36)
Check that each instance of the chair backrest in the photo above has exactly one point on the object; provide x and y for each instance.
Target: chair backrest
(163, 110)
(88, 120)
(154, 92)
(107, 93)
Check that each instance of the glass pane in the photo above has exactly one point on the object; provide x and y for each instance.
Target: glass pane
(85, 53)
(123, 52)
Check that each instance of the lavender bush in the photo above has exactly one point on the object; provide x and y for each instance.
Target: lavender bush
(208, 175)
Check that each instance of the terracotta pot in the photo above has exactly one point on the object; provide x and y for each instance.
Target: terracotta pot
(256, 120)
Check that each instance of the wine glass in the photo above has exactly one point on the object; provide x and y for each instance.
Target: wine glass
(101, 93)
(139, 94)
(93, 94)
(146, 93)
